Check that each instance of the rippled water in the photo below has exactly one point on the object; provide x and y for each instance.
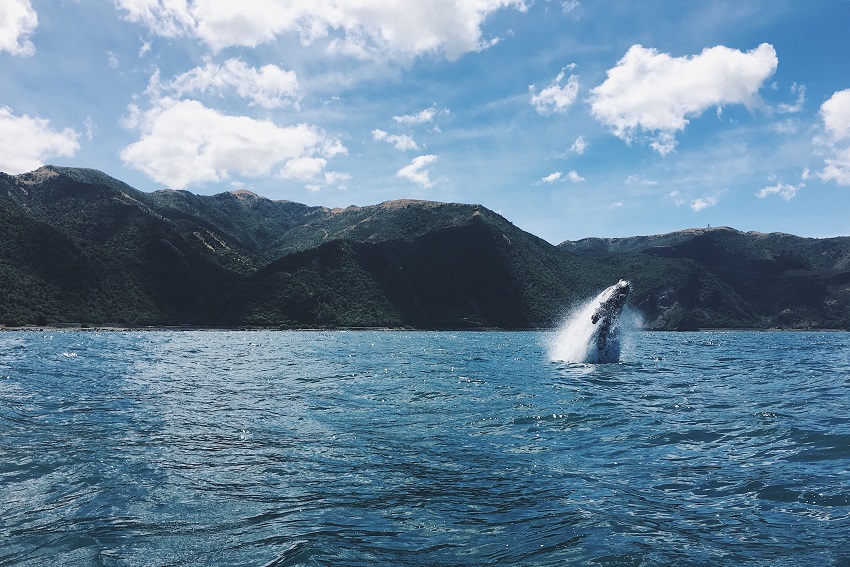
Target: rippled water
(415, 448)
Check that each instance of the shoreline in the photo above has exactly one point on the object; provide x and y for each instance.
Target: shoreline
(84, 328)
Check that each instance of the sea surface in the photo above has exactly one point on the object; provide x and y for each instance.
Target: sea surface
(422, 448)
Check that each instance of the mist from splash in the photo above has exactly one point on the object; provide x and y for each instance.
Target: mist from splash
(575, 338)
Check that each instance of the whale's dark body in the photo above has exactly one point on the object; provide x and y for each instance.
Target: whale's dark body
(606, 333)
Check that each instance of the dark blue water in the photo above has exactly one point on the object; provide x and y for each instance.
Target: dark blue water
(407, 448)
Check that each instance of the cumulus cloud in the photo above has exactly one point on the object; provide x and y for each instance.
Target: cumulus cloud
(557, 97)
(268, 87)
(303, 168)
(18, 21)
(552, 177)
(783, 190)
(363, 28)
(835, 114)
(417, 172)
(184, 142)
(25, 142)
(400, 141)
(656, 94)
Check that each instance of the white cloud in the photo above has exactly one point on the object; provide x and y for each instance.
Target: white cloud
(575, 177)
(695, 204)
(18, 20)
(168, 18)
(569, 6)
(783, 190)
(112, 59)
(579, 146)
(703, 203)
(800, 91)
(400, 141)
(90, 126)
(552, 177)
(656, 93)
(303, 168)
(642, 180)
(837, 167)
(184, 143)
(337, 178)
(835, 114)
(363, 28)
(145, 48)
(420, 117)
(25, 142)
(557, 97)
(417, 171)
(269, 86)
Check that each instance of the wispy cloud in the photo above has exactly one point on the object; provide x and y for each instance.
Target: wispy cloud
(417, 170)
(797, 106)
(575, 177)
(695, 205)
(703, 203)
(421, 117)
(402, 142)
(783, 190)
(579, 146)
(558, 96)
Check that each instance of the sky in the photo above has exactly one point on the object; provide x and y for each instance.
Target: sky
(571, 118)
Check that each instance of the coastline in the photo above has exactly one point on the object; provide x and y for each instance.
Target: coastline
(84, 328)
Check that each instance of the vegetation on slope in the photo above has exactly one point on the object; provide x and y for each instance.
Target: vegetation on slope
(79, 246)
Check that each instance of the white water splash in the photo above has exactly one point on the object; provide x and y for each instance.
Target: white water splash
(575, 338)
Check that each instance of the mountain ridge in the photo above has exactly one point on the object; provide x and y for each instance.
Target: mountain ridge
(77, 245)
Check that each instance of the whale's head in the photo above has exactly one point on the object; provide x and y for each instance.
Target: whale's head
(621, 291)
(613, 302)
(623, 286)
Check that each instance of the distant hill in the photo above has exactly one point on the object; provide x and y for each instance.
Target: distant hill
(778, 280)
(79, 246)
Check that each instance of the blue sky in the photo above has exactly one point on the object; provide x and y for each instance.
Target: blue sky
(570, 118)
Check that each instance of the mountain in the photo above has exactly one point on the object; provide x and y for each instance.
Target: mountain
(79, 246)
(778, 280)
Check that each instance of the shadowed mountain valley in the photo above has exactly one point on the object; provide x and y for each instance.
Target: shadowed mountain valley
(78, 246)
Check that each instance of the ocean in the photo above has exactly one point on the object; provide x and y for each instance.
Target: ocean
(267, 448)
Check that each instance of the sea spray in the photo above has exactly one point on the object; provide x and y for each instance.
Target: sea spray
(591, 331)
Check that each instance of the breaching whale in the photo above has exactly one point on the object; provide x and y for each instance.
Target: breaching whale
(591, 332)
(606, 330)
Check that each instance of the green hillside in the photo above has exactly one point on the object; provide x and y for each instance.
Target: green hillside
(77, 246)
